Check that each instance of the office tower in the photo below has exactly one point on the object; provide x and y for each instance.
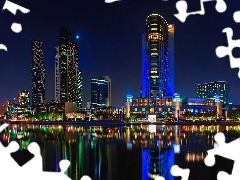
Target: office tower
(79, 88)
(171, 59)
(158, 58)
(108, 99)
(68, 78)
(38, 73)
(218, 89)
(57, 74)
(23, 98)
(101, 91)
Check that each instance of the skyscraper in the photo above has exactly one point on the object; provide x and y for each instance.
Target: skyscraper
(57, 74)
(38, 73)
(158, 58)
(101, 91)
(68, 78)
(108, 99)
(219, 89)
(79, 88)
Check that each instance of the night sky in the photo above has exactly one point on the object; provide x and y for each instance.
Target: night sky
(110, 44)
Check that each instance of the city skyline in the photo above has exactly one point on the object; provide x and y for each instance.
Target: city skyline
(106, 47)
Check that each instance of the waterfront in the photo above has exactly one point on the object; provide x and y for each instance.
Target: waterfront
(125, 152)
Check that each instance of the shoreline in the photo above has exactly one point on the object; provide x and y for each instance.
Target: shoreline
(117, 123)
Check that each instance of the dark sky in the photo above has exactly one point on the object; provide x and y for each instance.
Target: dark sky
(110, 44)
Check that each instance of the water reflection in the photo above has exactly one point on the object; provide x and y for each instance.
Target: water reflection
(143, 151)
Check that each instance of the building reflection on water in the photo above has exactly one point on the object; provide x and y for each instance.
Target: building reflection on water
(108, 152)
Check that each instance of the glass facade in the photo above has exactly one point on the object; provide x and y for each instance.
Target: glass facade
(57, 74)
(213, 89)
(100, 92)
(158, 58)
(70, 76)
(38, 73)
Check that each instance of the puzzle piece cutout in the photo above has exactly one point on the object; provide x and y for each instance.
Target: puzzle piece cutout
(222, 51)
(182, 6)
(32, 169)
(3, 47)
(177, 171)
(15, 27)
(12, 7)
(111, 1)
(227, 150)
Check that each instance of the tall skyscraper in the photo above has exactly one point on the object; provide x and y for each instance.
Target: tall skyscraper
(57, 74)
(68, 78)
(79, 88)
(219, 89)
(38, 73)
(158, 58)
(108, 100)
(101, 91)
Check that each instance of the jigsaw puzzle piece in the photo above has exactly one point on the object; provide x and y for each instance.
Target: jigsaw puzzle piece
(159, 178)
(177, 171)
(221, 6)
(5, 125)
(226, 150)
(209, 160)
(182, 6)
(220, 139)
(182, 15)
(85, 178)
(223, 176)
(111, 1)
(64, 165)
(7, 162)
(3, 47)
(220, 144)
(12, 7)
(35, 165)
(236, 16)
(222, 51)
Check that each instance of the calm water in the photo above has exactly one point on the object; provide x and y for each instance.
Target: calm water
(122, 153)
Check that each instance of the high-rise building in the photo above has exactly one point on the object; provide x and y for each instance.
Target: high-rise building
(101, 92)
(38, 73)
(57, 74)
(108, 99)
(79, 88)
(23, 98)
(219, 89)
(68, 78)
(158, 58)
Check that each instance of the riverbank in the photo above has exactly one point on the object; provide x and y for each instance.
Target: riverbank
(119, 123)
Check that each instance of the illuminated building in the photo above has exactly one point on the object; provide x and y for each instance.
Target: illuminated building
(68, 80)
(158, 58)
(172, 107)
(19, 107)
(79, 89)
(101, 92)
(212, 89)
(38, 73)
(57, 75)
(128, 104)
(109, 91)
(24, 98)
